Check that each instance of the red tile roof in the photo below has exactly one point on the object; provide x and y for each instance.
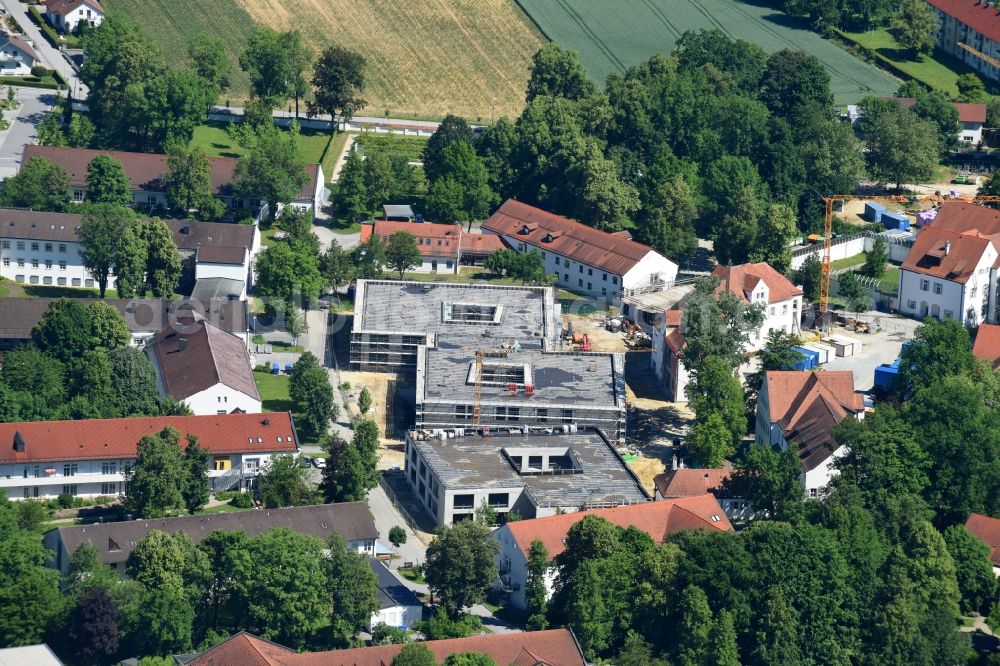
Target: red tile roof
(101, 439)
(554, 647)
(193, 355)
(20, 44)
(987, 346)
(434, 240)
(657, 519)
(742, 279)
(64, 7)
(687, 482)
(967, 113)
(569, 238)
(976, 14)
(808, 404)
(961, 217)
(987, 530)
(481, 244)
(946, 254)
(148, 171)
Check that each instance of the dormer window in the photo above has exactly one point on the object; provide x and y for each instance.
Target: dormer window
(113, 547)
(548, 238)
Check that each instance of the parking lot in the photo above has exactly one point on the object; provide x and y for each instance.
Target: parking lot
(881, 345)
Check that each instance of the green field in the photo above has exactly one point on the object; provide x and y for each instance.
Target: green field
(939, 72)
(610, 39)
(215, 142)
(273, 391)
(411, 147)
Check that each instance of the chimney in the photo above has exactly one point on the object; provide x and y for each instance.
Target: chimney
(681, 464)
(182, 344)
(947, 248)
(673, 462)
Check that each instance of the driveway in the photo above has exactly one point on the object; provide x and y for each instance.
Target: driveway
(386, 517)
(34, 103)
(51, 57)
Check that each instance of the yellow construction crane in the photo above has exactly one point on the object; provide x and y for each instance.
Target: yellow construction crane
(824, 284)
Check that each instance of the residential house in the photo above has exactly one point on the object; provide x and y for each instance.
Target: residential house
(147, 175)
(801, 408)
(970, 31)
(476, 247)
(115, 541)
(657, 519)
(398, 605)
(144, 316)
(553, 647)
(583, 259)
(439, 244)
(71, 15)
(987, 344)
(204, 367)
(689, 482)
(87, 458)
(44, 249)
(218, 256)
(987, 530)
(17, 56)
(971, 119)
(534, 474)
(36, 655)
(754, 284)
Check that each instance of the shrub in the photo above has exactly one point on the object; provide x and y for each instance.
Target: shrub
(225, 495)
(242, 501)
(440, 627)
(65, 501)
(383, 634)
(397, 536)
(39, 71)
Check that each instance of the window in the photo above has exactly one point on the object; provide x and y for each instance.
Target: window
(911, 305)
(48, 247)
(77, 194)
(463, 411)
(6, 261)
(813, 492)
(62, 265)
(34, 263)
(70, 490)
(109, 467)
(590, 287)
(20, 245)
(464, 501)
(30, 492)
(499, 500)
(924, 285)
(33, 279)
(567, 415)
(48, 264)
(772, 312)
(89, 282)
(590, 271)
(62, 248)
(61, 282)
(47, 279)
(70, 469)
(76, 282)
(604, 276)
(972, 293)
(542, 415)
(109, 488)
(565, 263)
(6, 245)
(34, 247)
(580, 282)
(948, 314)
(581, 268)
(614, 279)
(565, 277)
(784, 309)
(938, 287)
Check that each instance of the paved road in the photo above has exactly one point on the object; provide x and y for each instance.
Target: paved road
(356, 123)
(386, 517)
(51, 57)
(34, 103)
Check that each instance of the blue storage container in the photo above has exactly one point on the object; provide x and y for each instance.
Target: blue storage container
(809, 358)
(895, 220)
(885, 375)
(873, 211)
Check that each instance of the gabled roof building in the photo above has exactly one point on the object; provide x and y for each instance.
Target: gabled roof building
(987, 530)
(71, 15)
(584, 260)
(800, 409)
(970, 31)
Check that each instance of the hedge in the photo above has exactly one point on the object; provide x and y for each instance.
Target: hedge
(51, 36)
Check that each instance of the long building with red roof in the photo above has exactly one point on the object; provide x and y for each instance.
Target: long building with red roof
(44, 459)
(657, 519)
(970, 31)
(583, 259)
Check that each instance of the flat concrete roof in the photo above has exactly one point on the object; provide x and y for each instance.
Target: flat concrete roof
(477, 462)
(525, 315)
(577, 379)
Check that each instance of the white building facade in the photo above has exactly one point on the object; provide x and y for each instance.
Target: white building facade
(71, 15)
(17, 57)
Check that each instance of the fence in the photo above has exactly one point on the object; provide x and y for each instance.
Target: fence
(390, 492)
(849, 246)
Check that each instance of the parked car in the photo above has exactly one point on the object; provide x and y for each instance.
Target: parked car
(319, 463)
(306, 461)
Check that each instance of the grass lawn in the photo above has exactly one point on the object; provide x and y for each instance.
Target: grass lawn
(213, 139)
(939, 71)
(412, 575)
(273, 392)
(221, 508)
(64, 292)
(848, 262)
(411, 147)
(890, 280)
(287, 347)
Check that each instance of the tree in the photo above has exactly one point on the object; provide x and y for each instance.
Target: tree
(775, 637)
(283, 483)
(36, 380)
(460, 565)
(162, 261)
(402, 253)
(792, 80)
(397, 536)
(971, 88)
(210, 59)
(354, 588)
(39, 185)
(937, 108)
(189, 183)
(295, 323)
(414, 654)
(101, 234)
(378, 179)
(716, 325)
(535, 590)
(914, 27)
(134, 382)
(738, 235)
(991, 187)
(288, 273)
(902, 148)
(351, 470)
(558, 72)
(973, 569)
(876, 259)
(108, 328)
(336, 266)
(695, 627)
(469, 659)
(87, 572)
(460, 190)
(154, 482)
(774, 236)
(299, 58)
(668, 224)
(107, 182)
(49, 131)
(715, 390)
(313, 397)
(723, 648)
(364, 400)
(369, 257)
(711, 442)
(850, 288)
(266, 63)
(338, 81)
(64, 331)
(131, 254)
(195, 484)
(94, 629)
(743, 61)
(939, 349)
(769, 480)
(272, 171)
(809, 275)
(451, 130)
